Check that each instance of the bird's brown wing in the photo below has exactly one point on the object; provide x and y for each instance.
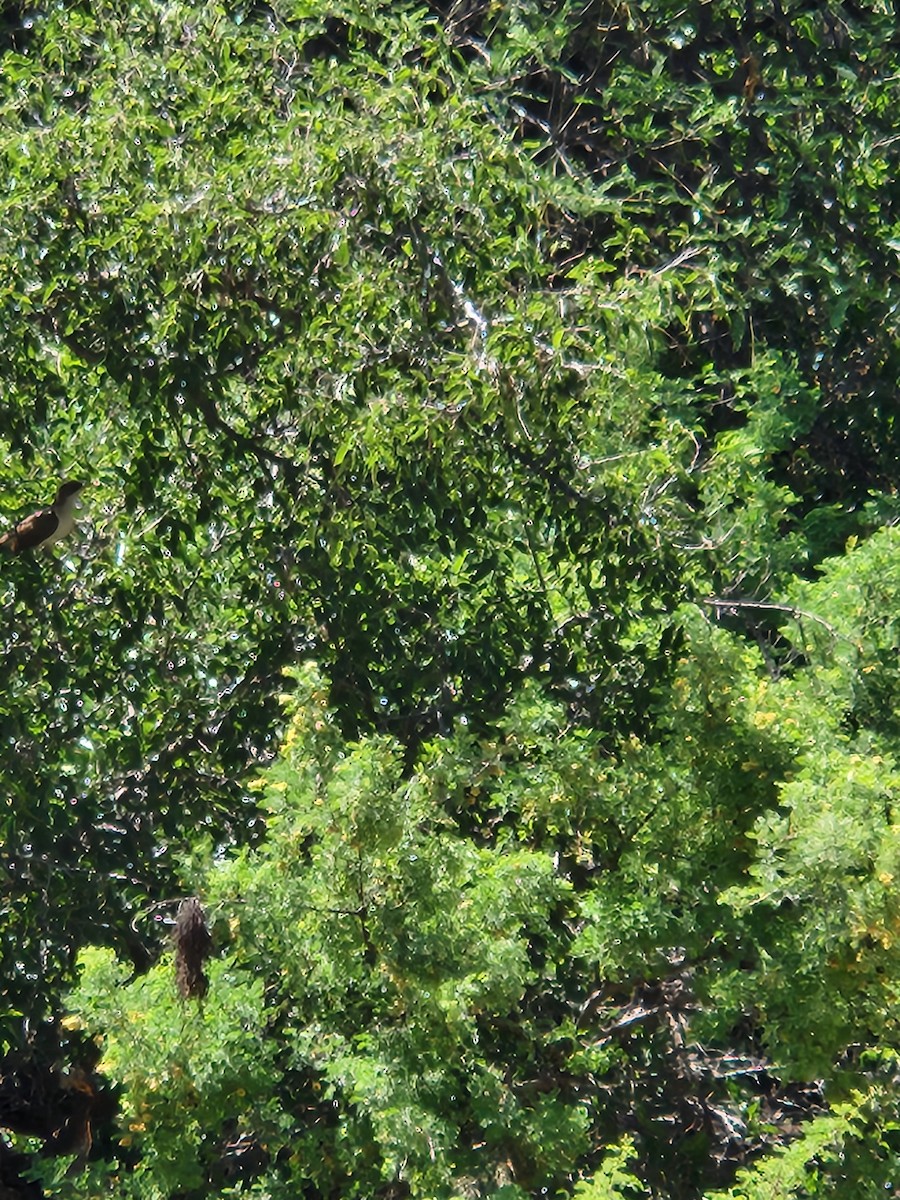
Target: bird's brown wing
(30, 532)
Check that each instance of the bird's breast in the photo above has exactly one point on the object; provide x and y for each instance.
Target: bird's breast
(65, 523)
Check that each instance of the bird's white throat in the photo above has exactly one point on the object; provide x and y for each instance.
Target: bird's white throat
(65, 513)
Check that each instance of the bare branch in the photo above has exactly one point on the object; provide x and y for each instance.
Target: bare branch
(789, 609)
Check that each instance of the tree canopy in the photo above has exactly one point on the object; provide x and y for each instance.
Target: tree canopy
(477, 653)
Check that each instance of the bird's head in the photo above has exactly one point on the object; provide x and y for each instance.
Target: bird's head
(70, 487)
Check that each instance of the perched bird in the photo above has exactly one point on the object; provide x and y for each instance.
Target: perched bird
(47, 525)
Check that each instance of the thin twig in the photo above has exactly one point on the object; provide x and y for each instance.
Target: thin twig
(790, 609)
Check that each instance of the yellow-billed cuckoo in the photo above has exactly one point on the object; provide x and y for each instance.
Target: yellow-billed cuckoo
(47, 525)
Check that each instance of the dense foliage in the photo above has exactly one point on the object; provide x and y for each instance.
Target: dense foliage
(484, 600)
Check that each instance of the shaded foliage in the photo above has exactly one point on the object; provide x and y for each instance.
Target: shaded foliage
(529, 369)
